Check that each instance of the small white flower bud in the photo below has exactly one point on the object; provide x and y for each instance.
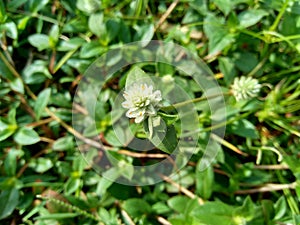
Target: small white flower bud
(245, 88)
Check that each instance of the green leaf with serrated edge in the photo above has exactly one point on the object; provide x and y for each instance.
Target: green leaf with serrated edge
(41, 102)
(26, 136)
(9, 199)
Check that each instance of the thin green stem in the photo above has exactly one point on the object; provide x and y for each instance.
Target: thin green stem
(290, 199)
(254, 34)
(279, 16)
(39, 16)
(17, 75)
(291, 70)
(195, 100)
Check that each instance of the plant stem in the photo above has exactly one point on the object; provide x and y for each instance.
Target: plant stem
(268, 188)
(279, 16)
(181, 104)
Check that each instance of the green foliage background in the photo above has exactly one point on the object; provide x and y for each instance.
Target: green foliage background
(46, 46)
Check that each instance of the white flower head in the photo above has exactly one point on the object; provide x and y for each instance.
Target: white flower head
(245, 88)
(141, 101)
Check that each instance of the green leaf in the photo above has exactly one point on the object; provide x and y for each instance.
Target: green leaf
(6, 130)
(3, 15)
(23, 22)
(5, 71)
(10, 163)
(97, 25)
(160, 208)
(36, 5)
(205, 182)
(10, 29)
(244, 128)
(268, 209)
(144, 33)
(26, 136)
(9, 199)
(112, 27)
(245, 61)
(219, 37)
(200, 6)
(12, 5)
(227, 5)
(40, 41)
(41, 165)
(162, 136)
(251, 17)
(88, 6)
(54, 35)
(71, 44)
(137, 75)
(91, 49)
(41, 102)
(212, 213)
(11, 116)
(72, 185)
(124, 32)
(245, 212)
(227, 67)
(17, 85)
(107, 179)
(178, 203)
(290, 25)
(136, 207)
(280, 208)
(36, 73)
(63, 144)
(296, 219)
